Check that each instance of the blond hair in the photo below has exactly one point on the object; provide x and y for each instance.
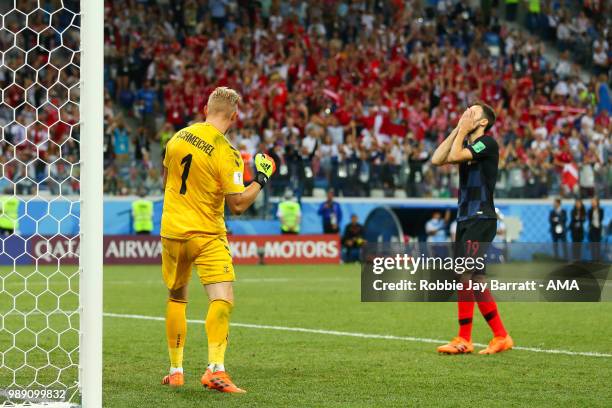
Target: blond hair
(223, 100)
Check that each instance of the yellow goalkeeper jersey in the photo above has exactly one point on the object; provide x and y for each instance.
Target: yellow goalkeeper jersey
(202, 167)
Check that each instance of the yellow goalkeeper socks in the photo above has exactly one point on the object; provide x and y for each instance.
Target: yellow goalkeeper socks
(217, 329)
(176, 331)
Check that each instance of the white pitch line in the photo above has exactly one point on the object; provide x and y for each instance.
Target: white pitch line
(362, 335)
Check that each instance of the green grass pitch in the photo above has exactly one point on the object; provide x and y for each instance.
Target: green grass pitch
(282, 368)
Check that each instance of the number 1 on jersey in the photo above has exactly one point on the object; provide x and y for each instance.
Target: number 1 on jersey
(187, 163)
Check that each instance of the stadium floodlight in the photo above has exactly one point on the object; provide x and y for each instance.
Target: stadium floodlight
(51, 139)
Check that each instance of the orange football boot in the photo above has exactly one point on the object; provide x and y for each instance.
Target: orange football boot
(498, 344)
(458, 345)
(174, 380)
(220, 381)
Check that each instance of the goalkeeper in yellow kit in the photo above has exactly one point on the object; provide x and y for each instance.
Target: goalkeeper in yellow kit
(202, 173)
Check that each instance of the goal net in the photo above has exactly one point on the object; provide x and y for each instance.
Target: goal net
(43, 205)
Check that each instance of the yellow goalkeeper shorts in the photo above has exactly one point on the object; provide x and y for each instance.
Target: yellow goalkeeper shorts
(210, 255)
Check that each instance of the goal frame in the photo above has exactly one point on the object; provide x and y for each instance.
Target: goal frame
(91, 109)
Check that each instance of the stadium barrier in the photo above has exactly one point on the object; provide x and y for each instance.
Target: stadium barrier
(44, 218)
(146, 249)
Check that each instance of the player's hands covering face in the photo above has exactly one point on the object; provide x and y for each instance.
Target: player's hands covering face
(467, 123)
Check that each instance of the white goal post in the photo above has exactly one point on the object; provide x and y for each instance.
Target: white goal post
(92, 116)
(51, 190)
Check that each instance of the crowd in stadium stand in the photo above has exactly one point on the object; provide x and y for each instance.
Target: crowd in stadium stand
(355, 95)
(580, 27)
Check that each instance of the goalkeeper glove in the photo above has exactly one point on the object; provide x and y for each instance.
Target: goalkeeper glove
(265, 168)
